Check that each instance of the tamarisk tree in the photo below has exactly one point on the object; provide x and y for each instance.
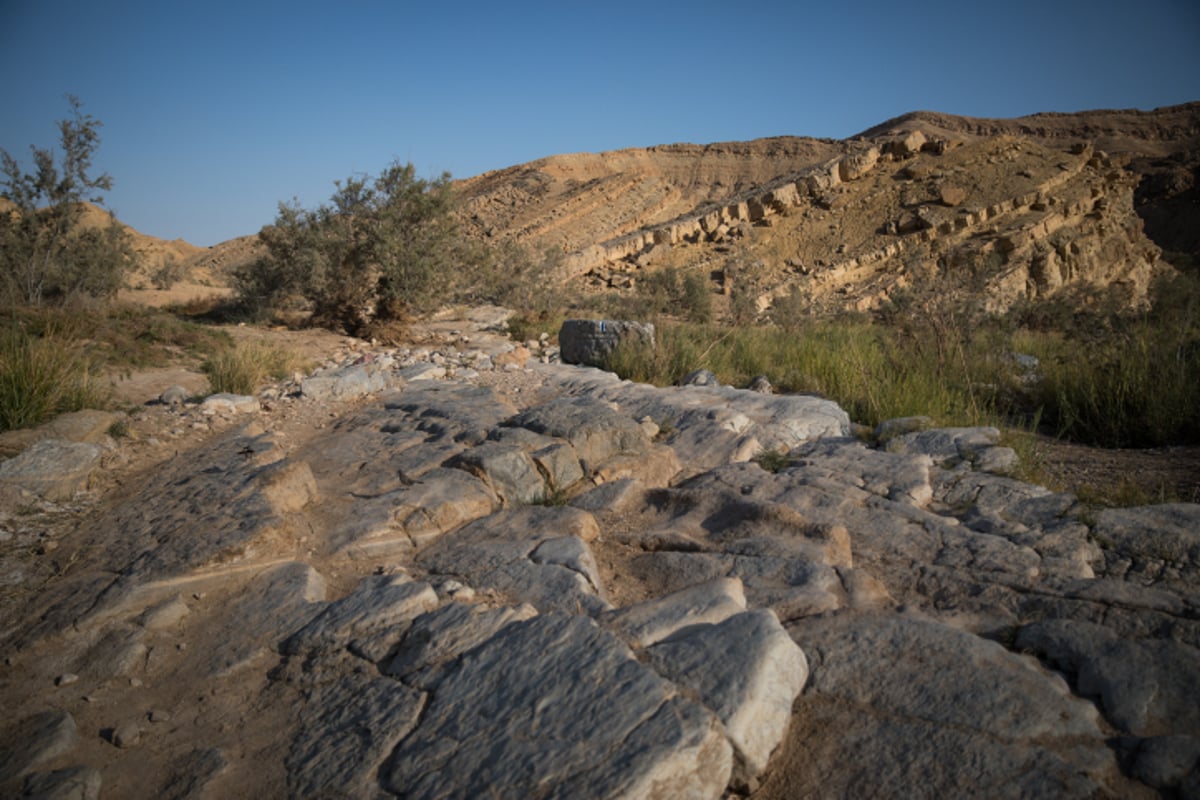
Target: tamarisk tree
(378, 251)
(46, 254)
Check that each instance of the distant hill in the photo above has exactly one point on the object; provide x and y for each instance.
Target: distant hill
(1041, 204)
(152, 250)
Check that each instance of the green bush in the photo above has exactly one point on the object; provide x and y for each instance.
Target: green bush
(41, 376)
(381, 250)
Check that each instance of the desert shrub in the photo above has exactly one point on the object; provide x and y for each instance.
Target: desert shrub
(515, 276)
(169, 273)
(381, 249)
(697, 299)
(121, 336)
(45, 252)
(244, 368)
(666, 293)
(743, 304)
(41, 376)
(791, 311)
(526, 325)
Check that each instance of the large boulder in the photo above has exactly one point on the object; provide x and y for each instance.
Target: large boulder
(589, 341)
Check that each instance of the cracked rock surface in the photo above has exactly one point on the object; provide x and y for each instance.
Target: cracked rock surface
(546, 582)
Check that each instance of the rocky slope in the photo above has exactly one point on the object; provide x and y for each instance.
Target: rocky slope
(1028, 207)
(463, 570)
(1081, 203)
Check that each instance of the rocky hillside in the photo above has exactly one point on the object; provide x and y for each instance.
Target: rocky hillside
(1027, 207)
(463, 570)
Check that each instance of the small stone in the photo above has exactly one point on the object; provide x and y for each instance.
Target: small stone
(175, 396)
(66, 679)
(158, 715)
(126, 735)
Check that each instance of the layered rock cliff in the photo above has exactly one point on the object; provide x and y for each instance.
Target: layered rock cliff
(1028, 207)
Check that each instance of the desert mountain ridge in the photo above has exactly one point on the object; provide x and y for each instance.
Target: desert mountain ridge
(1041, 203)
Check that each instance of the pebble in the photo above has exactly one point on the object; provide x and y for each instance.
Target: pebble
(66, 679)
(126, 735)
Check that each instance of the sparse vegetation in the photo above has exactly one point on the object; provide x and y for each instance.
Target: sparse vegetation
(41, 376)
(773, 461)
(1102, 379)
(244, 368)
(46, 254)
(53, 358)
(1125, 381)
(169, 273)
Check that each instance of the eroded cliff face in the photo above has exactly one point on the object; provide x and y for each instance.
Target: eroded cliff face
(1022, 208)
(572, 202)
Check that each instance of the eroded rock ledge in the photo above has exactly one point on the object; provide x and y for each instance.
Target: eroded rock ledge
(596, 593)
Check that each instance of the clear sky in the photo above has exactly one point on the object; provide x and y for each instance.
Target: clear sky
(215, 111)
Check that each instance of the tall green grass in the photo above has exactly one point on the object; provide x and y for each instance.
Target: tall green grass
(1104, 379)
(868, 369)
(41, 376)
(1139, 387)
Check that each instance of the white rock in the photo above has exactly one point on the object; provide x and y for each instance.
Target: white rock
(748, 671)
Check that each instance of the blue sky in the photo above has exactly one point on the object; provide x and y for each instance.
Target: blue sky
(215, 111)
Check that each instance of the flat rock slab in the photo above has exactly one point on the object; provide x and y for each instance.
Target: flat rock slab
(347, 729)
(705, 603)
(346, 383)
(1154, 543)
(557, 707)
(1145, 687)
(946, 446)
(369, 621)
(902, 692)
(71, 783)
(88, 425)
(710, 426)
(191, 773)
(443, 634)
(455, 411)
(747, 671)
(533, 554)
(507, 469)
(43, 736)
(56, 470)
(593, 428)
(273, 604)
